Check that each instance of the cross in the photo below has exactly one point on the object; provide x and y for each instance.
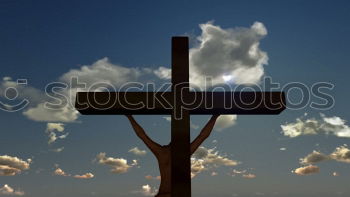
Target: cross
(180, 103)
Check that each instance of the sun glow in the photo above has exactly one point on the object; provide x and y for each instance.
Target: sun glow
(227, 77)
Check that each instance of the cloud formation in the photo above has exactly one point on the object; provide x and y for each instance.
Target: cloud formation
(225, 121)
(59, 172)
(7, 190)
(84, 176)
(52, 129)
(137, 151)
(340, 154)
(118, 165)
(147, 190)
(307, 170)
(228, 52)
(249, 176)
(10, 166)
(204, 159)
(325, 125)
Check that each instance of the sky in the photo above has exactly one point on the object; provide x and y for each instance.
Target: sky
(301, 45)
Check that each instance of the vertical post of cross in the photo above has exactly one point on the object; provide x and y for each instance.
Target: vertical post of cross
(180, 121)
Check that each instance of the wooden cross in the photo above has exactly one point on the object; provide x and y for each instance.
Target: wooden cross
(180, 103)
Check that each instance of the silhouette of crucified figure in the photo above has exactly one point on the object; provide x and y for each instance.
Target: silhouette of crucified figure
(163, 155)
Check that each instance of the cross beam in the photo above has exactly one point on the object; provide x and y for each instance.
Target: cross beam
(180, 103)
(197, 103)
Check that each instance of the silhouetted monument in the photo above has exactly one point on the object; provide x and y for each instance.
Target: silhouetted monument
(174, 158)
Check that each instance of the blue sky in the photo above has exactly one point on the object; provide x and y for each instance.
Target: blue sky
(306, 42)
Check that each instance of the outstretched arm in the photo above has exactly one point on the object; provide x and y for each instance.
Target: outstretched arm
(153, 146)
(204, 134)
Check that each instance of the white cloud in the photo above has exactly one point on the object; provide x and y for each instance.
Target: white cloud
(118, 165)
(84, 176)
(7, 190)
(58, 150)
(147, 190)
(163, 73)
(314, 157)
(96, 77)
(32, 94)
(307, 170)
(51, 129)
(204, 159)
(243, 173)
(341, 154)
(249, 176)
(55, 127)
(326, 125)
(225, 121)
(41, 113)
(10, 166)
(228, 52)
(238, 172)
(60, 172)
(283, 149)
(137, 151)
(103, 71)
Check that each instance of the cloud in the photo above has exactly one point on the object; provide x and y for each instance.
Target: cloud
(283, 149)
(95, 77)
(340, 154)
(325, 125)
(204, 159)
(335, 174)
(137, 151)
(10, 166)
(147, 190)
(58, 150)
(41, 113)
(25, 91)
(84, 176)
(149, 177)
(249, 176)
(52, 128)
(243, 173)
(314, 157)
(225, 121)
(163, 73)
(103, 71)
(118, 165)
(7, 190)
(60, 172)
(55, 127)
(238, 172)
(307, 170)
(228, 52)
